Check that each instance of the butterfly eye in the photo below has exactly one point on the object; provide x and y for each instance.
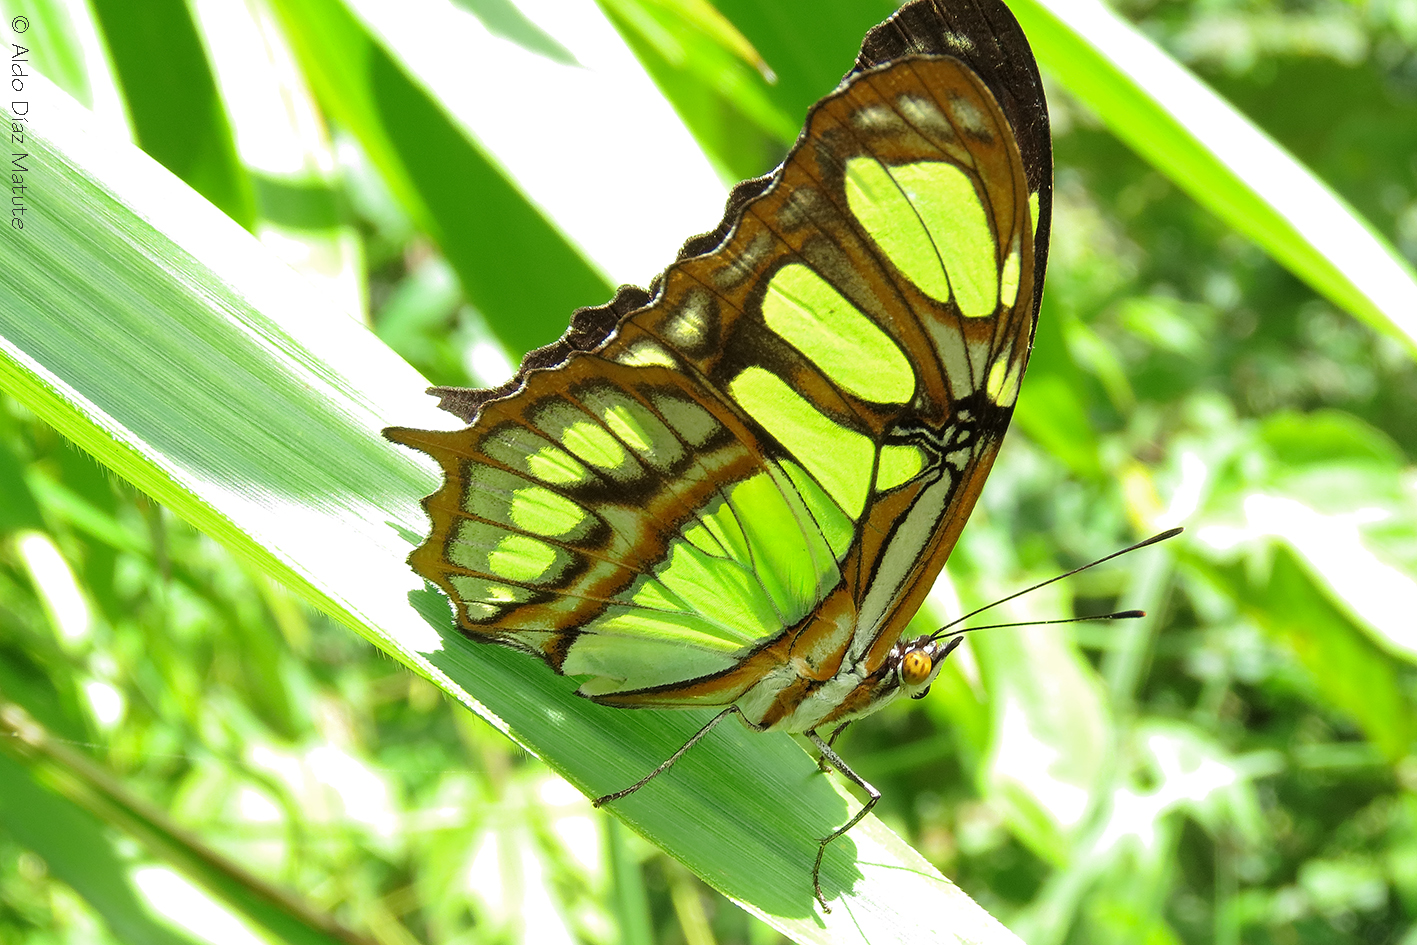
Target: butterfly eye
(915, 668)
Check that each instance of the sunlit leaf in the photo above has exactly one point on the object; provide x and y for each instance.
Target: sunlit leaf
(252, 409)
(1343, 664)
(1222, 160)
(172, 99)
(496, 240)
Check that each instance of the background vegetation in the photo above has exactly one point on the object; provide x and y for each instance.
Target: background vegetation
(1239, 767)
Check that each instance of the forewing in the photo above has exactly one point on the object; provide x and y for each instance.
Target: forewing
(753, 473)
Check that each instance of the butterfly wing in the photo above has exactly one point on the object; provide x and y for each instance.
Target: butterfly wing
(739, 485)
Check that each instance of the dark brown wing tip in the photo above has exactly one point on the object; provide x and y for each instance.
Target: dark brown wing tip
(986, 36)
(463, 402)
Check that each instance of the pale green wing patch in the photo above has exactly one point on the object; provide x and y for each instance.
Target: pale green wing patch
(839, 458)
(507, 499)
(727, 593)
(543, 512)
(788, 552)
(483, 599)
(847, 346)
(495, 552)
(534, 455)
(1008, 278)
(1003, 382)
(636, 651)
(594, 443)
(635, 426)
(599, 527)
(756, 562)
(898, 464)
(521, 558)
(499, 552)
(586, 438)
(928, 220)
(835, 527)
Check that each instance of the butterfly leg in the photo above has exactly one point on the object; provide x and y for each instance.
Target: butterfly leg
(831, 740)
(830, 756)
(712, 724)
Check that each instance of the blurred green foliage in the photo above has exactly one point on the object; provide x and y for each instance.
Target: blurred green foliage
(1240, 767)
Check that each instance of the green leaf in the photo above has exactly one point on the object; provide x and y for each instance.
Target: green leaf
(1051, 733)
(631, 904)
(500, 245)
(64, 822)
(174, 348)
(77, 850)
(1336, 492)
(1344, 665)
(1328, 436)
(714, 77)
(172, 99)
(1230, 167)
(808, 44)
(59, 56)
(1052, 414)
(18, 510)
(502, 18)
(1051, 407)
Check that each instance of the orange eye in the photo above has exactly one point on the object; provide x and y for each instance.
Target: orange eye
(915, 668)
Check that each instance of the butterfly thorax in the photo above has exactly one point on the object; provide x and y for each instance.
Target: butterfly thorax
(858, 690)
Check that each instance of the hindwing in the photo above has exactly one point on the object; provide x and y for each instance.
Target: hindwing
(731, 486)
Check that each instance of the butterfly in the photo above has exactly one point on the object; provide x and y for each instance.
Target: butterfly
(735, 488)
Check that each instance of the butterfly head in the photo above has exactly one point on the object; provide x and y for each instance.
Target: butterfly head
(917, 662)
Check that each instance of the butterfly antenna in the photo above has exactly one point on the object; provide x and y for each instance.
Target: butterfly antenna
(1121, 615)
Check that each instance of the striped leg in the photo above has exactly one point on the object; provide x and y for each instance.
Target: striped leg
(831, 740)
(712, 724)
(830, 756)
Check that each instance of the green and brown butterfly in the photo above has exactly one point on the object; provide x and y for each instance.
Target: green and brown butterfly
(735, 489)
